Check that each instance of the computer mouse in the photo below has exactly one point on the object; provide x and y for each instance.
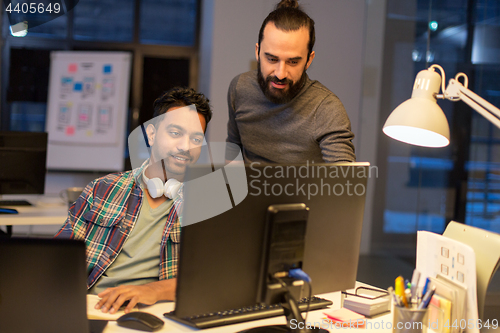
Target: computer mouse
(142, 321)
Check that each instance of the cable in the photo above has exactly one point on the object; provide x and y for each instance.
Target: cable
(299, 274)
(308, 299)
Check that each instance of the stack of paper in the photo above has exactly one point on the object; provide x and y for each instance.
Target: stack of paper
(367, 307)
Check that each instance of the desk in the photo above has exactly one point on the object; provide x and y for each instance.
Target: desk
(382, 323)
(45, 210)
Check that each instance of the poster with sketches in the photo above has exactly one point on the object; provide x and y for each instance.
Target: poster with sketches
(87, 109)
(84, 106)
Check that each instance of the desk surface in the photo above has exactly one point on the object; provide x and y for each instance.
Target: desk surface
(382, 323)
(45, 210)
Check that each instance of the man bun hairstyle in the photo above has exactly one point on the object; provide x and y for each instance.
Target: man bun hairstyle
(289, 16)
(287, 4)
(180, 96)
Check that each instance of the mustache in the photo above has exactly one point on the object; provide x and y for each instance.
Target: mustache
(185, 154)
(272, 78)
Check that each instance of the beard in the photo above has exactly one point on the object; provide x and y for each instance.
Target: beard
(279, 96)
(166, 166)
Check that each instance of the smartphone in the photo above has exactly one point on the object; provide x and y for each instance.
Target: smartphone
(283, 249)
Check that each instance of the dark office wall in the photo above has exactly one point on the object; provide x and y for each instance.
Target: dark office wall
(160, 75)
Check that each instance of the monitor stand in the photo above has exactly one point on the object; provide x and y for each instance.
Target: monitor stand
(292, 312)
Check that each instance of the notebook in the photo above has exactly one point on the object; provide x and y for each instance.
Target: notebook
(43, 287)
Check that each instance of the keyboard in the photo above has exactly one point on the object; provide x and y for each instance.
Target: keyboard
(15, 203)
(235, 316)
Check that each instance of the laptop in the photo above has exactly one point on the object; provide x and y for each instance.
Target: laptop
(43, 286)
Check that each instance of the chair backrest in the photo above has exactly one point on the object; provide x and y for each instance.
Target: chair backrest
(486, 245)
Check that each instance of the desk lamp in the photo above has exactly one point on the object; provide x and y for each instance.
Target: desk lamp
(420, 121)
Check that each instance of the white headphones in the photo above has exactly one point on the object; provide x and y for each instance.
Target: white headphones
(156, 187)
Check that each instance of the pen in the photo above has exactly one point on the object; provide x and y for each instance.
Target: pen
(408, 296)
(419, 297)
(426, 286)
(400, 290)
(394, 297)
(427, 298)
(414, 283)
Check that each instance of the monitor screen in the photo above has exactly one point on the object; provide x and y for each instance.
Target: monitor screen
(43, 285)
(221, 255)
(23, 166)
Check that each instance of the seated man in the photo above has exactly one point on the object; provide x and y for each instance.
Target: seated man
(131, 230)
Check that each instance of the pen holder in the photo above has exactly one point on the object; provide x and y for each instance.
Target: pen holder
(408, 320)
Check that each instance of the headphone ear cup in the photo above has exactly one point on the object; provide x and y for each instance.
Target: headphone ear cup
(155, 187)
(172, 187)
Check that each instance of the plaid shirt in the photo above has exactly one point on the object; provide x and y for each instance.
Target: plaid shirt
(105, 214)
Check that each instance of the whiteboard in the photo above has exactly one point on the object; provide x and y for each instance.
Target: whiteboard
(87, 110)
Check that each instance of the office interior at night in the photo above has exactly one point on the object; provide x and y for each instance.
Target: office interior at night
(367, 52)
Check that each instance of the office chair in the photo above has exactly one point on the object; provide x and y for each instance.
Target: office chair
(486, 245)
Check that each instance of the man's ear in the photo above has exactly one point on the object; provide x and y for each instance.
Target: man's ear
(257, 51)
(151, 133)
(311, 57)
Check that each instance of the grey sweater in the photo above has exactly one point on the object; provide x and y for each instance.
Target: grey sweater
(314, 126)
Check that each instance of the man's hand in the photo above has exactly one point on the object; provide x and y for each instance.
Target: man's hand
(150, 293)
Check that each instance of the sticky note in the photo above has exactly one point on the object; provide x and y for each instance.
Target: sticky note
(445, 305)
(434, 310)
(440, 313)
(66, 80)
(346, 318)
(107, 69)
(70, 130)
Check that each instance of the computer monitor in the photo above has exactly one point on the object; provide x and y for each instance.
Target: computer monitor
(23, 166)
(282, 253)
(43, 285)
(220, 257)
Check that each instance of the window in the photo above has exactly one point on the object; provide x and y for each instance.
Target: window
(104, 20)
(168, 22)
(425, 188)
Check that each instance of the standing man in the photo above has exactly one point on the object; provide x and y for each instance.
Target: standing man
(276, 113)
(130, 228)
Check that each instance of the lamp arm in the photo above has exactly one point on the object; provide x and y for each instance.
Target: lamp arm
(456, 90)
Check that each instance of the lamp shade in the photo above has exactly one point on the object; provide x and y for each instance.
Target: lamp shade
(419, 120)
